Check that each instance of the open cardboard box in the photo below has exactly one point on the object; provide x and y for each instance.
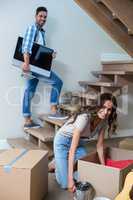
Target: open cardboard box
(107, 181)
(23, 174)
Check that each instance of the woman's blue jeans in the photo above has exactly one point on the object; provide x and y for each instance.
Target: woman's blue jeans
(61, 151)
(31, 86)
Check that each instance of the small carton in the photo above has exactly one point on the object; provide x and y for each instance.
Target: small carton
(107, 181)
(23, 174)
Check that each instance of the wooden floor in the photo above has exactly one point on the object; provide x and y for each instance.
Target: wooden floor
(55, 193)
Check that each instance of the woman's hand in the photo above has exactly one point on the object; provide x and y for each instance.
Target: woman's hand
(71, 185)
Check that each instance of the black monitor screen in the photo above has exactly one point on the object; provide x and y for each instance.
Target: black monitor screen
(41, 56)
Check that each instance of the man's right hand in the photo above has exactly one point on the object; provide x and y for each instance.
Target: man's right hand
(25, 67)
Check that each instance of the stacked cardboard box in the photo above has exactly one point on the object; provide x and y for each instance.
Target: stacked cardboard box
(23, 174)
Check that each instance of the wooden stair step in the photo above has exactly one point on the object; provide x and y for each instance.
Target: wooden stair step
(112, 73)
(70, 108)
(56, 122)
(45, 134)
(21, 143)
(98, 84)
(129, 61)
(123, 65)
(86, 95)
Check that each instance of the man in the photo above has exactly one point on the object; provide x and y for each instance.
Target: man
(35, 33)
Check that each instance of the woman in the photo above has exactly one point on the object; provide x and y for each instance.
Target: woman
(68, 142)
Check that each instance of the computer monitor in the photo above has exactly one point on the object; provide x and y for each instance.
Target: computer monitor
(40, 59)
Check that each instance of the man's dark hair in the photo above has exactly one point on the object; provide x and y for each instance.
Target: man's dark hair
(39, 9)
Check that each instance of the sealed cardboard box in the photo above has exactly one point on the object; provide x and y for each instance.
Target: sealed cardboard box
(107, 181)
(23, 174)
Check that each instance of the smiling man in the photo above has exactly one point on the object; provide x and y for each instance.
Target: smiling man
(36, 33)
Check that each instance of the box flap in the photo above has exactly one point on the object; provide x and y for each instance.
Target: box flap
(27, 160)
(121, 154)
(30, 159)
(9, 155)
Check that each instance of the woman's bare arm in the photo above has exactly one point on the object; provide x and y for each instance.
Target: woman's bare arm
(74, 144)
(100, 147)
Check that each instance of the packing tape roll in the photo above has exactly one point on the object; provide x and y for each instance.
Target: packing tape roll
(8, 167)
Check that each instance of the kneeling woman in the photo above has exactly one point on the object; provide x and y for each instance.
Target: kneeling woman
(68, 142)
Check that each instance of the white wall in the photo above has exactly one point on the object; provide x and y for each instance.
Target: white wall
(78, 40)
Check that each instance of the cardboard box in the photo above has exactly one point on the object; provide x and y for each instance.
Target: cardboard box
(107, 181)
(23, 174)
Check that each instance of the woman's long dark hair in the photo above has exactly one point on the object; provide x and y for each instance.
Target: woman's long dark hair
(112, 119)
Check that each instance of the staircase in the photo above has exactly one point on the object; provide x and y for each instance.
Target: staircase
(115, 17)
(113, 78)
(41, 138)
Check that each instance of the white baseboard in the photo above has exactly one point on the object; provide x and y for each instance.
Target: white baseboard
(4, 144)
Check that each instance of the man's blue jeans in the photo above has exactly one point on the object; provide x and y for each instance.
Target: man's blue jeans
(31, 86)
(61, 152)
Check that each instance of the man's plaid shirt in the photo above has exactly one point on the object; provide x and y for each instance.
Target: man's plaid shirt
(30, 37)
